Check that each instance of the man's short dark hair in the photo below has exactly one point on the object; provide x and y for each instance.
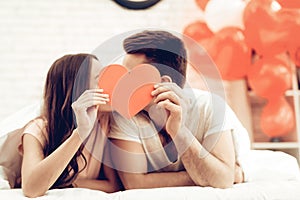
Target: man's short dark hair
(163, 50)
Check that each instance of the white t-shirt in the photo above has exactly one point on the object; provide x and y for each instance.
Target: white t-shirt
(207, 114)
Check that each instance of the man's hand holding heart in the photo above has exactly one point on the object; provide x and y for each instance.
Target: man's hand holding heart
(131, 91)
(169, 96)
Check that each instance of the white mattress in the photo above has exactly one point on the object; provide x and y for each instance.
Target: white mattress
(271, 175)
(269, 190)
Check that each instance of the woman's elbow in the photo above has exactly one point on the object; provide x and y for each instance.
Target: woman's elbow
(32, 192)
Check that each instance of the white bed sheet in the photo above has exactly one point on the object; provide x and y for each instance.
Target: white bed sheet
(271, 175)
(260, 190)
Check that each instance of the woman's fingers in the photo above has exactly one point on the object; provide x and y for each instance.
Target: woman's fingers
(94, 92)
(99, 90)
(94, 101)
(90, 98)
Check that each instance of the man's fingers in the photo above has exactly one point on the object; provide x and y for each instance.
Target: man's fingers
(171, 96)
(159, 90)
(168, 105)
(162, 87)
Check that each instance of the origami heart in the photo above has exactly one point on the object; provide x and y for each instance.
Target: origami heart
(129, 90)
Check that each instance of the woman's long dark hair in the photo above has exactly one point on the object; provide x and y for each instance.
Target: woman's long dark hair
(66, 80)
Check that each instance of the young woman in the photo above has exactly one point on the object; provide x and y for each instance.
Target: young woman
(59, 146)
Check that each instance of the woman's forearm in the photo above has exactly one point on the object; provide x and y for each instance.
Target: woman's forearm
(41, 177)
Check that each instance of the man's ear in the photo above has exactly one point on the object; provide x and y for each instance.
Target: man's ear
(166, 78)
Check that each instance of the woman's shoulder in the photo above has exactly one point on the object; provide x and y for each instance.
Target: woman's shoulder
(37, 128)
(37, 123)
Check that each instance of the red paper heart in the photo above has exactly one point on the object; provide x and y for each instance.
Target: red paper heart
(109, 77)
(130, 91)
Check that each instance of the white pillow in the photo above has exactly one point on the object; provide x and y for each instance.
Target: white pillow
(261, 165)
(4, 184)
(20, 118)
(11, 130)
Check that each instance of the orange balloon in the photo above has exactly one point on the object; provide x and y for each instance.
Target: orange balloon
(202, 3)
(291, 18)
(294, 39)
(197, 42)
(289, 3)
(267, 29)
(197, 31)
(230, 53)
(295, 55)
(277, 118)
(270, 77)
(200, 57)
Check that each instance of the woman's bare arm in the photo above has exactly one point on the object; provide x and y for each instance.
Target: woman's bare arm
(40, 173)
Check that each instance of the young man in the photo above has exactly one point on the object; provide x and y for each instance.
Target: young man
(184, 137)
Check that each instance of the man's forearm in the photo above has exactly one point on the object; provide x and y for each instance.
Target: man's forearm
(156, 179)
(94, 184)
(203, 167)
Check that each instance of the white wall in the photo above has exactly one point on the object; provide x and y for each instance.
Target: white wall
(33, 33)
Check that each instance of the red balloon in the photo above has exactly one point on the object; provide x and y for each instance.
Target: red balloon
(202, 3)
(197, 31)
(289, 3)
(277, 118)
(294, 39)
(229, 52)
(200, 56)
(291, 17)
(295, 55)
(198, 35)
(270, 77)
(267, 29)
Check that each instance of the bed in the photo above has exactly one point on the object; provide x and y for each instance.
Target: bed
(258, 190)
(272, 175)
